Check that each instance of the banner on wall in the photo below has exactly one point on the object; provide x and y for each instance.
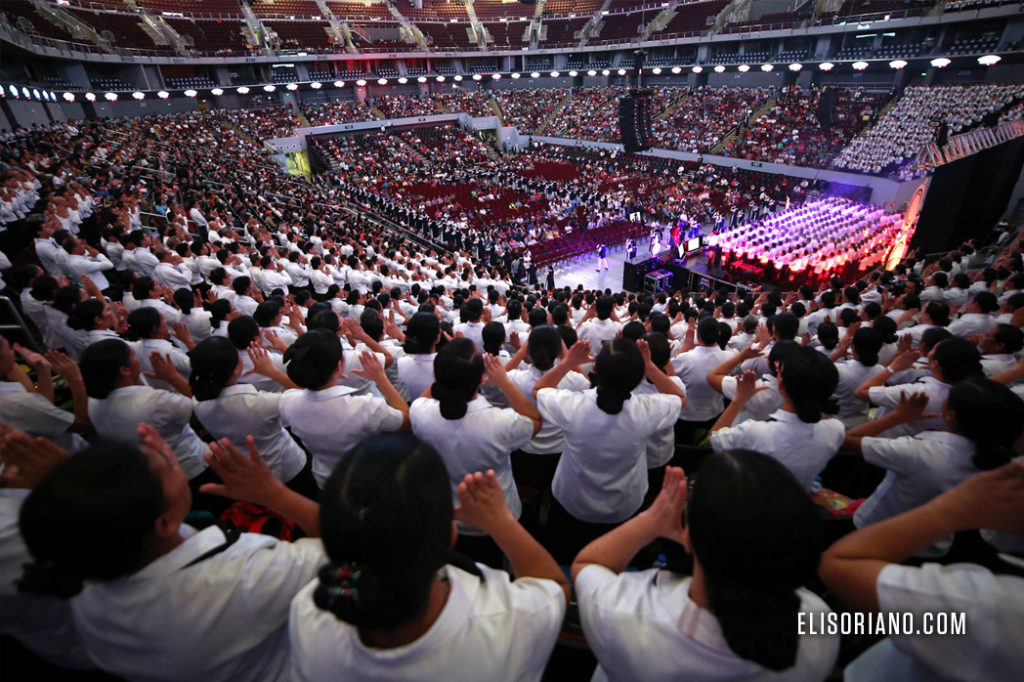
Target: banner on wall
(899, 247)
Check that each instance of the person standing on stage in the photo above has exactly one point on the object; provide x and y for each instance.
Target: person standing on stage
(551, 278)
(602, 257)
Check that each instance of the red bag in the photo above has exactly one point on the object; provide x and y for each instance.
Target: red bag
(252, 518)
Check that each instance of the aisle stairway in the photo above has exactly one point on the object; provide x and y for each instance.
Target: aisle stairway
(553, 115)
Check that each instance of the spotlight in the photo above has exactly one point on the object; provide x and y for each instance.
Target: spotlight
(339, 84)
(573, 74)
(989, 60)
(90, 96)
(163, 94)
(361, 83)
(743, 68)
(826, 66)
(266, 88)
(941, 62)
(69, 96)
(35, 93)
(243, 90)
(25, 92)
(859, 66)
(606, 72)
(139, 95)
(554, 74)
(795, 67)
(656, 70)
(535, 74)
(767, 68)
(897, 64)
(440, 79)
(316, 85)
(458, 79)
(719, 69)
(516, 76)
(110, 96)
(697, 69)
(382, 81)
(477, 77)
(191, 93)
(292, 86)
(496, 76)
(592, 72)
(217, 92)
(621, 72)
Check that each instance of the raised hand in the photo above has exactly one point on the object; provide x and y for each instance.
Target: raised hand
(32, 358)
(243, 477)
(372, 368)
(163, 368)
(63, 365)
(666, 512)
(912, 407)
(28, 460)
(262, 363)
(482, 502)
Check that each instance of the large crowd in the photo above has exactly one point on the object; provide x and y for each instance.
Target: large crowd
(431, 459)
(914, 121)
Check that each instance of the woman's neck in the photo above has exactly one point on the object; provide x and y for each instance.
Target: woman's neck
(698, 588)
(408, 633)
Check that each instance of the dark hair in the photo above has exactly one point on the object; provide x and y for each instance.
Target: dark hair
(65, 298)
(458, 370)
(473, 308)
(932, 337)
(386, 523)
(43, 288)
(219, 310)
(661, 351)
(938, 313)
(313, 358)
(769, 514)
(810, 378)
(603, 307)
(828, 335)
(83, 316)
(778, 354)
(493, 336)
(618, 369)
(537, 316)
(142, 323)
(1011, 337)
(543, 347)
(991, 415)
(786, 326)
(68, 521)
(241, 285)
(724, 334)
(184, 299)
(568, 334)
(213, 362)
(421, 333)
(266, 312)
(242, 331)
(100, 364)
(634, 331)
(867, 342)
(886, 326)
(958, 359)
(707, 331)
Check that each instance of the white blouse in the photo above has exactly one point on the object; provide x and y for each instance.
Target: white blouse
(241, 411)
(331, 422)
(481, 440)
(495, 629)
(602, 475)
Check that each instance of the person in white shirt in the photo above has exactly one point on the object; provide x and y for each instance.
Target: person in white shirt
(979, 316)
(416, 366)
(50, 255)
(470, 434)
(864, 344)
(393, 605)
(796, 435)
(151, 597)
(328, 419)
(233, 410)
(149, 334)
(1000, 346)
(193, 316)
(82, 259)
(119, 401)
(763, 403)
(534, 464)
(950, 361)
(736, 617)
(472, 328)
(983, 420)
(693, 365)
(601, 329)
(863, 569)
(171, 271)
(602, 476)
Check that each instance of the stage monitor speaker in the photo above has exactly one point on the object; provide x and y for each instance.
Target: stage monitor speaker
(635, 121)
(633, 273)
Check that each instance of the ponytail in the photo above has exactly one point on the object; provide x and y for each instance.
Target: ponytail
(459, 369)
(758, 625)
(809, 379)
(618, 369)
(991, 415)
(213, 362)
